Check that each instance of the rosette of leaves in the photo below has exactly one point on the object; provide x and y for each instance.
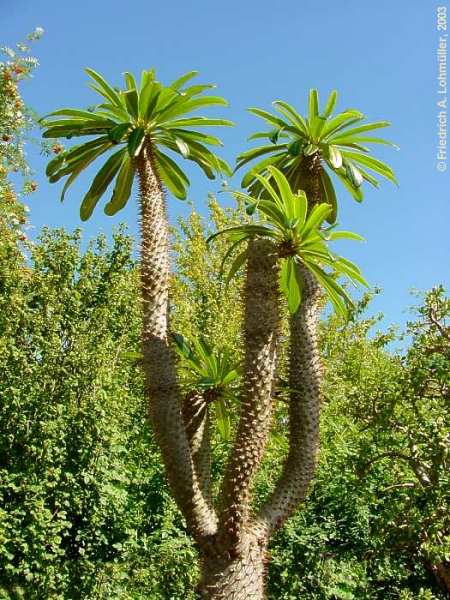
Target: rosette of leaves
(126, 119)
(212, 373)
(315, 147)
(300, 239)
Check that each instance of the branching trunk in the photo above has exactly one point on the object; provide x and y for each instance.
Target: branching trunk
(159, 363)
(233, 552)
(305, 373)
(261, 325)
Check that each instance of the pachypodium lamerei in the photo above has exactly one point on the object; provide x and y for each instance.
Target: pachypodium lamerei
(286, 253)
(137, 123)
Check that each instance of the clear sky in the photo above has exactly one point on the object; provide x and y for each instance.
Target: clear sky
(380, 56)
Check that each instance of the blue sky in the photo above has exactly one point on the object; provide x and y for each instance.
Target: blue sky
(381, 57)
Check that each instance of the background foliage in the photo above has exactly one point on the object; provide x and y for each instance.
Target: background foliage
(84, 509)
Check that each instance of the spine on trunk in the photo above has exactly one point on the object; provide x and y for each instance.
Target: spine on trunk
(159, 362)
(261, 328)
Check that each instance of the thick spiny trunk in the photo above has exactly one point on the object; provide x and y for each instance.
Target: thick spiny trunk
(197, 423)
(240, 577)
(159, 363)
(305, 373)
(261, 328)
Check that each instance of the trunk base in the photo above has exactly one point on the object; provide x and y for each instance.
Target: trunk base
(235, 575)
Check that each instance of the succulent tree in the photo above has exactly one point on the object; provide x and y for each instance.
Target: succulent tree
(286, 252)
(137, 123)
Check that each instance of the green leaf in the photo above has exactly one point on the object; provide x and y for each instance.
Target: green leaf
(344, 235)
(335, 157)
(231, 376)
(122, 189)
(72, 130)
(310, 149)
(132, 102)
(195, 90)
(270, 118)
(229, 251)
(77, 152)
(246, 229)
(294, 117)
(107, 91)
(171, 175)
(264, 181)
(197, 122)
(80, 167)
(82, 115)
(130, 81)
(342, 267)
(300, 208)
(223, 420)
(183, 147)
(291, 284)
(198, 136)
(237, 264)
(355, 192)
(316, 218)
(146, 77)
(362, 140)
(135, 141)
(116, 133)
(329, 195)
(182, 345)
(331, 287)
(366, 127)
(75, 173)
(150, 107)
(146, 94)
(119, 113)
(331, 103)
(313, 106)
(372, 163)
(260, 168)
(353, 174)
(100, 183)
(253, 153)
(368, 177)
(184, 106)
(339, 121)
(81, 155)
(179, 83)
(274, 214)
(55, 164)
(285, 190)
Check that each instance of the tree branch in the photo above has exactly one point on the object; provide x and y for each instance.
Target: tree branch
(305, 373)
(197, 423)
(416, 467)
